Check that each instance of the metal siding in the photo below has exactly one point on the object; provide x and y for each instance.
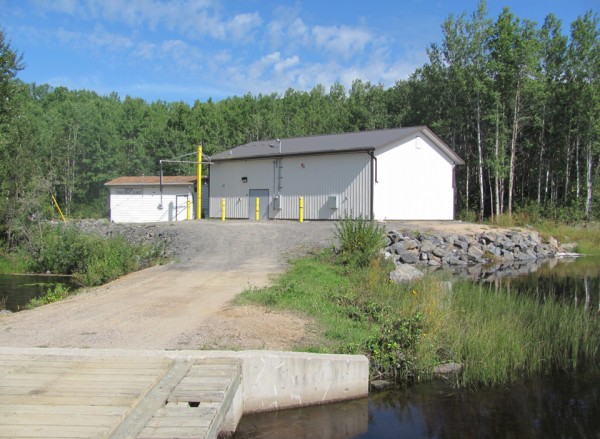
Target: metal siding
(348, 176)
(226, 182)
(134, 208)
(316, 178)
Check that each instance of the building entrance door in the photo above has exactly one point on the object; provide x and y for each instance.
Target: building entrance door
(263, 197)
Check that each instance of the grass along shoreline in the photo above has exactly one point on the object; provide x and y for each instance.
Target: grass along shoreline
(406, 330)
(90, 260)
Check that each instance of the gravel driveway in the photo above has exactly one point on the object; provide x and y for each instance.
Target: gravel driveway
(172, 306)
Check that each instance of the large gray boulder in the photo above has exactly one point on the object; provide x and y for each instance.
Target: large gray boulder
(405, 273)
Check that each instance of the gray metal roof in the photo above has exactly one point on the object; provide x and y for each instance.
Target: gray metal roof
(332, 143)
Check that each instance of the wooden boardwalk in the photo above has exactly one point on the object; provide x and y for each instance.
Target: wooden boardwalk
(115, 397)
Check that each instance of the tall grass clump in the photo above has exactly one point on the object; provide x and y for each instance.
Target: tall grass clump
(91, 259)
(12, 264)
(500, 335)
(359, 241)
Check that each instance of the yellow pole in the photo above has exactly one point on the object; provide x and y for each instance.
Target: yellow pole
(257, 213)
(222, 209)
(301, 209)
(59, 211)
(189, 209)
(199, 185)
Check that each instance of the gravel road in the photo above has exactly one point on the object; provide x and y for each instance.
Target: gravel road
(184, 304)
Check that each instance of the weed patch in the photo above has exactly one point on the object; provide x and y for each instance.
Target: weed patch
(91, 259)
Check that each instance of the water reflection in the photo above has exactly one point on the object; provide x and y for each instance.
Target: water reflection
(331, 421)
(17, 290)
(559, 407)
(575, 280)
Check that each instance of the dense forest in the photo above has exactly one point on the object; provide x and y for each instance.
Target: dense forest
(519, 101)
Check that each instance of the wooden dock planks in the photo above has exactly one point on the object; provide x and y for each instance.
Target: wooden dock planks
(197, 406)
(48, 397)
(114, 397)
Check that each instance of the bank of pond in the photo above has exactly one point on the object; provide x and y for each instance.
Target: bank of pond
(497, 332)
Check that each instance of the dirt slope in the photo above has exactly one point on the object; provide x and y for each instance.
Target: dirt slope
(178, 306)
(185, 304)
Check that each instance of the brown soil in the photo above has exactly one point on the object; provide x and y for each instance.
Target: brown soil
(187, 304)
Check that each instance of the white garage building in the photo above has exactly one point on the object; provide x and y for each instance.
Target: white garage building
(140, 199)
(402, 173)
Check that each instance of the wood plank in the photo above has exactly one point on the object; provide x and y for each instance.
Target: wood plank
(67, 419)
(185, 410)
(69, 376)
(88, 371)
(65, 400)
(223, 381)
(185, 396)
(98, 410)
(170, 433)
(71, 391)
(51, 432)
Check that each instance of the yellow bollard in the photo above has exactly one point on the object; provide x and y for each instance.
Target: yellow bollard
(257, 213)
(301, 209)
(189, 209)
(222, 209)
(199, 185)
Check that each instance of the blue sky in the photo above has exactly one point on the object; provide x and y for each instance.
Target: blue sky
(196, 49)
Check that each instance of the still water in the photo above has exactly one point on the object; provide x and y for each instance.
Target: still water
(561, 407)
(17, 290)
(557, 407)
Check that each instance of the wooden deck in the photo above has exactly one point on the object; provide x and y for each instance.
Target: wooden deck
(116, 397)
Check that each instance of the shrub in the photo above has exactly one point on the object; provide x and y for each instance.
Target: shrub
(91, 259)
(359, 240)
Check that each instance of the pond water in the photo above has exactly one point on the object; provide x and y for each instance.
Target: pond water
(17, 290)
(560, 406)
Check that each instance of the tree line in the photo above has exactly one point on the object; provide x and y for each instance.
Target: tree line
(517, 100)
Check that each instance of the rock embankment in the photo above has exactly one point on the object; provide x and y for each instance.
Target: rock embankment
(477, 255)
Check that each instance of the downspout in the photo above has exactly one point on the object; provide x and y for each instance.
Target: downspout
(373, 181)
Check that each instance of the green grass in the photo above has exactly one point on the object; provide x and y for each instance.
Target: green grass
(308, 287)
(406, 330)
(501, 336)
(91, 259)
(585, 234)
(12, 264)
(55, 294)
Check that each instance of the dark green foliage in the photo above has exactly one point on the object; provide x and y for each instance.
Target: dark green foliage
(392, 352)
(359, 241)
(91, 259)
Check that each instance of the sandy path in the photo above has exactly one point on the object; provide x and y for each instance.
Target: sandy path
(169, 307)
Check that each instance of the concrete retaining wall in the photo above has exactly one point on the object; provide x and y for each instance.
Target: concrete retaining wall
(271, 380)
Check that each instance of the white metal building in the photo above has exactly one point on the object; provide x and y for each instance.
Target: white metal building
(140, 199)
(402, 173)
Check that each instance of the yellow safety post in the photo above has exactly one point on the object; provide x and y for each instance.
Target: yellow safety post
(222, 209)
(301, 209)
(257, 213)
(189, 209)
(199, 185)
(59, 211)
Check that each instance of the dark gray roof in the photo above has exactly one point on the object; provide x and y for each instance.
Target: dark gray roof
(357, 141)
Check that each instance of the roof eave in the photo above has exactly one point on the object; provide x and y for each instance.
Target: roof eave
(293, 154)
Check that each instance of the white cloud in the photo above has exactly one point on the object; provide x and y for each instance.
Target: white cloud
(195, 18)
(341, 40)
(98, 39)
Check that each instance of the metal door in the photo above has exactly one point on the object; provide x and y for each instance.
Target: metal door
(263, 197)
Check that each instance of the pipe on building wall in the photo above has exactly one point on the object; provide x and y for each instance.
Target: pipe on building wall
(373, 181)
